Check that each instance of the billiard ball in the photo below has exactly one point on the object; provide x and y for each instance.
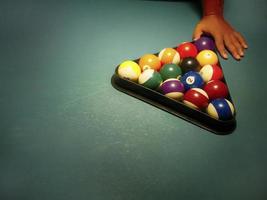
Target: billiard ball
(221, 109)
(196, 98)
(216, 89)
(129, 70)
(205, 43)
(207, 57)
(189, 64)
(211, 72)
(172, 88)
(169, 56)
(192, 79)
(149, 61)
(150, 78)
(170, 71)
(187, 49)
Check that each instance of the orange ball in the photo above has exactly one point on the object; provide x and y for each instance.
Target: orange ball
(207, 57)
(169, 56)
(149, 61)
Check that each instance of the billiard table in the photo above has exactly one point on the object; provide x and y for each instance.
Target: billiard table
(67, 133)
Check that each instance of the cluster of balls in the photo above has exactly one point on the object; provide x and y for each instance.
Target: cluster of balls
(189, 73)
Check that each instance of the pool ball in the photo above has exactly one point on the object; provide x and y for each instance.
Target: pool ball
(150, 78)
(192, 79)
(221, 109)
(187, 49)
(196, 98)
(172, 88)
(129, 70)
(216, 89)
(205, 43)
(168, 56)
(149, 61)
(207, 57)
(189, 64)
(211, 72)
(170, 71)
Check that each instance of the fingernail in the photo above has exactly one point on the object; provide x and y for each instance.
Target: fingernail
(241, 53)
(237, 57)
(225, 55)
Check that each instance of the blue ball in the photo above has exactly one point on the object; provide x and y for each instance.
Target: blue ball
(192, 79)
(221, 109)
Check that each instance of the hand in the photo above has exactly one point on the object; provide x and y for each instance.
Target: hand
(225, 36)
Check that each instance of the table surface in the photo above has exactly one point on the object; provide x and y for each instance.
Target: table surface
(66, 133)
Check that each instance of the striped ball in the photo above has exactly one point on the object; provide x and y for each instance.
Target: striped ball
(196, 98)
(211, 72)
(129, 70)
(169, 56)
(150, 78)
(172, 88)
(221, 109)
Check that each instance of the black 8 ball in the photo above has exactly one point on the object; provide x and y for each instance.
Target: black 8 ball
(189, 64)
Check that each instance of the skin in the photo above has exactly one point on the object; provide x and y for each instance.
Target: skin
(225, 36)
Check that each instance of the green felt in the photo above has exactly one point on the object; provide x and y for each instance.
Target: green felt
(66, 133)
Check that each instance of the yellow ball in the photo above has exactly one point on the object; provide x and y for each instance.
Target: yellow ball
(129, 70)
(207, 57)
(149, 61)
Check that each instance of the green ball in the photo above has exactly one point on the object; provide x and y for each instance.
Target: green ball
(170, 71)
(150, 78)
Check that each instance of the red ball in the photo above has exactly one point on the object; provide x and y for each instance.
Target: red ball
(216, 89)
(196, 98)
(211, 72)
(187, 49)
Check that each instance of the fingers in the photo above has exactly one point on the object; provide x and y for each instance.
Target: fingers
(220, 46)
(232, 46)
(241, 40)
(197, 32)
(238, 45)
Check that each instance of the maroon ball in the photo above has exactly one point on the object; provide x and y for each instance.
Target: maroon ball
(216, 89)
(196, 98)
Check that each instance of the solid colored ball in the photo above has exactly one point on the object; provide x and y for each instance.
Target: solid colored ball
(172, 88)
(189, 64)
(187, 49)
(149, 61)
(196, 98)
(170, 71)
(192, 80)
(221, 109)
(169, 56)
(211, 72)
(216, 89)
(207, 57)
(129, 70)
(150, 78)
(205, 43)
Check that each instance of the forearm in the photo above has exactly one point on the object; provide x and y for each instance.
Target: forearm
(212, 7)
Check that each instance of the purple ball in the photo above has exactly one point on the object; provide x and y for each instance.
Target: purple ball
(205, 43)
(172, 88)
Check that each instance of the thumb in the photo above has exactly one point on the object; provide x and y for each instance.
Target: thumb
(197, 33)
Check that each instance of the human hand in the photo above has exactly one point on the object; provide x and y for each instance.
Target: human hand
(223, 33)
